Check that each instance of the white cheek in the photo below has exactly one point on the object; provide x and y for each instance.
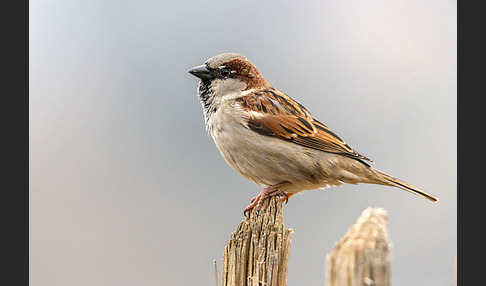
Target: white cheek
(227, 87)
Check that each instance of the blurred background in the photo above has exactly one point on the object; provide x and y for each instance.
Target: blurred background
(126, 186)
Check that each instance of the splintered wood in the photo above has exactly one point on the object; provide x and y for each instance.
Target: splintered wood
(363, 256)
(257, 253)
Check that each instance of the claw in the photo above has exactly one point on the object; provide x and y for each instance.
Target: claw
(285, 198)
(267, 192)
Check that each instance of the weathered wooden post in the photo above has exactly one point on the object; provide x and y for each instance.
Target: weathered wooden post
(363, 256)
(257, 253)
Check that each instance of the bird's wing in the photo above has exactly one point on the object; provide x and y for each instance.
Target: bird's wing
(273, 113)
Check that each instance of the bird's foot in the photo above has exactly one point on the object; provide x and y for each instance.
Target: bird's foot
(270, 191)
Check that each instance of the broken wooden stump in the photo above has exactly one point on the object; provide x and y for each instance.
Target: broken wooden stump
(257, 253)
(363, 256)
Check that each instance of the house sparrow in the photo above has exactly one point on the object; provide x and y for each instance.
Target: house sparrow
(274, 141)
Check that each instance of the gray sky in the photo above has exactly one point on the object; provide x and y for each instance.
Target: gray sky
(126, 186)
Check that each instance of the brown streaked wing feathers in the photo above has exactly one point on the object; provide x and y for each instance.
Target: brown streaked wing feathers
(274, 113)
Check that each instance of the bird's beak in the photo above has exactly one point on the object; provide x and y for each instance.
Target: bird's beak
(201, 72)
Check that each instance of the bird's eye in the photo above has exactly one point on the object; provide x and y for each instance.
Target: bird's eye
(225, 72)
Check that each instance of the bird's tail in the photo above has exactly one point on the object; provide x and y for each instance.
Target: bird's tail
(385, 179)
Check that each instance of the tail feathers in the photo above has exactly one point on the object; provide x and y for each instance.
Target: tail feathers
(388, 180)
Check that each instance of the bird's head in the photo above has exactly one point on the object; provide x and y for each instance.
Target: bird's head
(228, 73)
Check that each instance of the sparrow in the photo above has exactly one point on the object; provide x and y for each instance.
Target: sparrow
(274, 141)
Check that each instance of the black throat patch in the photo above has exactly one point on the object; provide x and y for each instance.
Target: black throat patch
(206, 98)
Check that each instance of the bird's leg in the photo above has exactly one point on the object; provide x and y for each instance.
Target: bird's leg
(285, 198)
(273, 190)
